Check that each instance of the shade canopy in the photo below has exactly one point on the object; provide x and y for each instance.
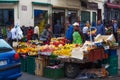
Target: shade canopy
(9, 1)
(41, 4)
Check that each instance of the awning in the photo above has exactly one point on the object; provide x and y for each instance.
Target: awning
(111, 5)
(9, 1)
(41, 4)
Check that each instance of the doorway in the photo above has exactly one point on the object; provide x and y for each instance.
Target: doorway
(6, 19)
(40, 19)
(58, 17)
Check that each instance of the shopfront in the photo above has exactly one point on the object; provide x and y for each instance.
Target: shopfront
(58, 17)
(112, 11)
(41, 14)
(89, 13)
(8, 14)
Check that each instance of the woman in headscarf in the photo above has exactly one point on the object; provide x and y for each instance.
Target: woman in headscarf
(46, 34)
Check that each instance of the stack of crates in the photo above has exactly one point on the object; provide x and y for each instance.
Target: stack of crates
(113, 62)
(23, 64)
(31, 65)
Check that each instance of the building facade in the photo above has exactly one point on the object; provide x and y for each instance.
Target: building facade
(40, 12)
(92, 10)
(112, 10)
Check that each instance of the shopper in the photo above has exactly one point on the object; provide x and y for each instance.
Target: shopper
(9, 36)
(29, 33)
(77, 38)
(23, 30)
(57, 28)
(85, 30)
(14, 34)
(69, 32)
(100, 28)
(115, 29)
(46, 34)
(36, 33)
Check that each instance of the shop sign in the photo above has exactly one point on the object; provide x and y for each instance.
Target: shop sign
(24, 8)
(92, 5)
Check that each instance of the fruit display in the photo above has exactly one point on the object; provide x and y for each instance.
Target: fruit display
(64, 50)
(57, 41)
(27, 48)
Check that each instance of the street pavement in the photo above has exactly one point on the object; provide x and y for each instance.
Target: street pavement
(26, 76)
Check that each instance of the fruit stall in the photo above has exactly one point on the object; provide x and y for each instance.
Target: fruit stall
(89, 60)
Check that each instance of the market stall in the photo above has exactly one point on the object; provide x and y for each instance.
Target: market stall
(91, 60)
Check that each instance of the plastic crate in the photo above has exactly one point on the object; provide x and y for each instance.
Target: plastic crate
(31, 65)
(113, 60)
(54, 73)
(23, 64)
(113, 71)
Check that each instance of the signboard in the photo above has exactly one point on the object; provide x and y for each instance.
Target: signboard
(24, 8)
(92, 5)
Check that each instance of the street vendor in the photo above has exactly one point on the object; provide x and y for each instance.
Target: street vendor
(77, 36)
(46, 34)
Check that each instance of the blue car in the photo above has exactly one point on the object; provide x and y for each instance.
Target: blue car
(9, 62)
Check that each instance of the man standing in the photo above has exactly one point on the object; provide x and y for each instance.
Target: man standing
(100, 28)
(69, 32)
(115, 29)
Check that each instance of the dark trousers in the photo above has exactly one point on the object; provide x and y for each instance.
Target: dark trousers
(116, 36)
(36, 37)
(10, 42)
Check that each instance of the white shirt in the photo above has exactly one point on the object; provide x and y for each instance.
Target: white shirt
(36, 30)
(85, 29)
(13, 31)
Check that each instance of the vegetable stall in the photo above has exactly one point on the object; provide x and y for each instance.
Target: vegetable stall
(90, 60)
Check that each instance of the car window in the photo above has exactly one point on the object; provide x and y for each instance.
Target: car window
(4, 46)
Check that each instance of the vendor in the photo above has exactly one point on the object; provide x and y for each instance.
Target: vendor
(77, 36)
(46, 34)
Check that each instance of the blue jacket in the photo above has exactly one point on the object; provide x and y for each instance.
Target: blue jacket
(100, 29)
(115, 27)
(69, 33)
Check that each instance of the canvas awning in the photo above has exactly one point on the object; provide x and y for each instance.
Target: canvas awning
(41, 4)
(111, 5)
(9, 1)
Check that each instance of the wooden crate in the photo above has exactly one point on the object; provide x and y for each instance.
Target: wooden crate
(40, 64)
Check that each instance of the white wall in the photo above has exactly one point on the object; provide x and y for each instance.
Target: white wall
(27, 16)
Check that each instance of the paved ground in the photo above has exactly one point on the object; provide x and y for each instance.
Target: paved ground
(26, 76)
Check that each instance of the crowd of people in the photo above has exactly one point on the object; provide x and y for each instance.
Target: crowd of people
(78, 35)
(74, 33)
